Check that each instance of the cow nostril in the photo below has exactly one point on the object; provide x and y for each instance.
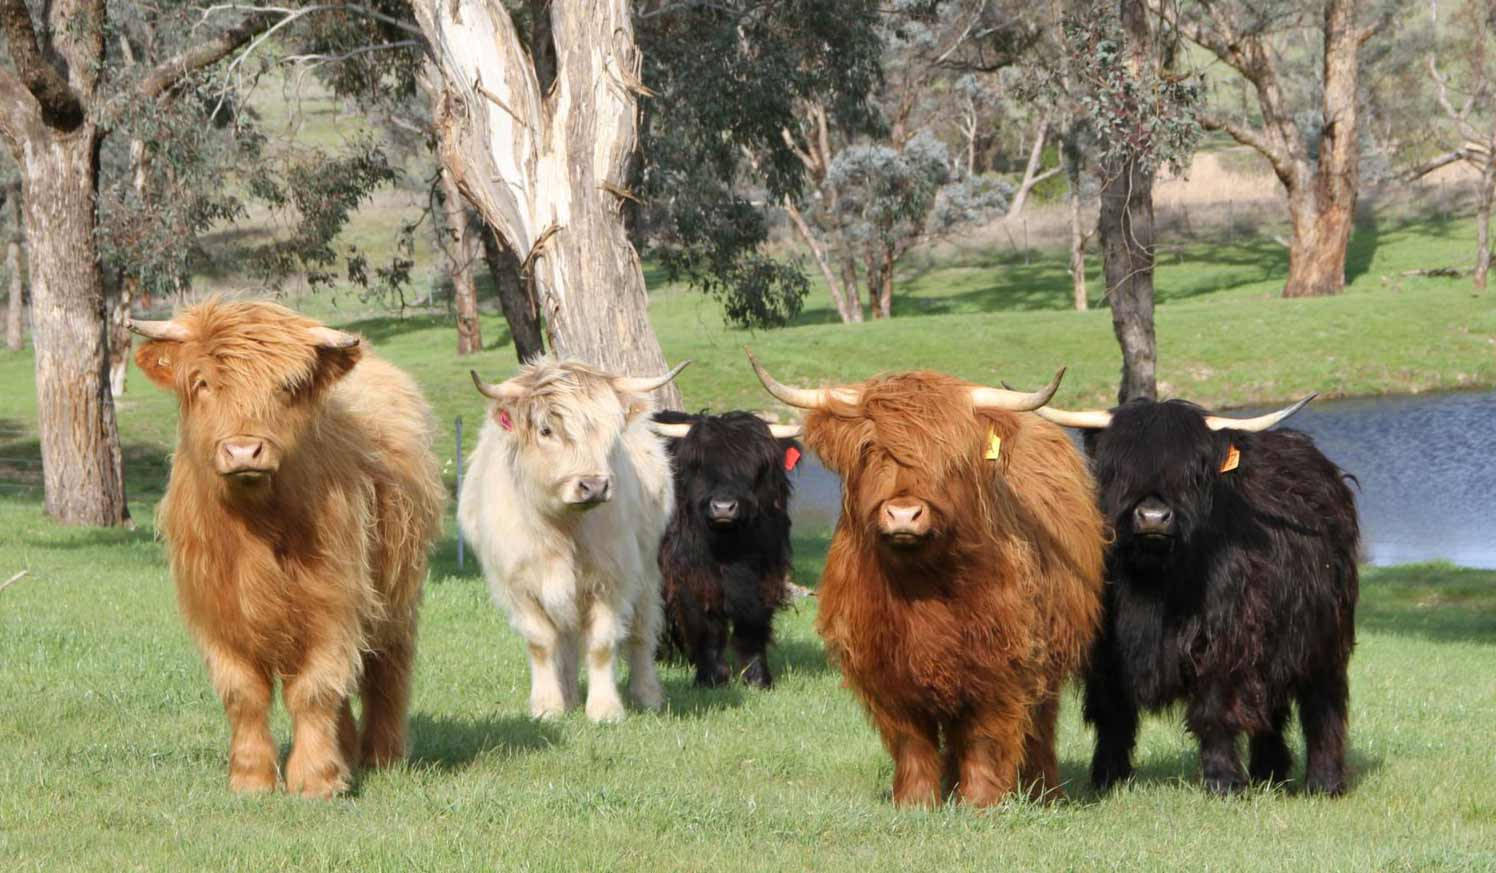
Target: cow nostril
(916, 513)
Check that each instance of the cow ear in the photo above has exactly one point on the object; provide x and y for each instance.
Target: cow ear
(157, 359)
(334, 363)
(634, 406)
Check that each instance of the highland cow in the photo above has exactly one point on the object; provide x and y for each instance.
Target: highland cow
(302, 502)
(565, 502)
(963, 582)
(726, 553)
(1234, 588)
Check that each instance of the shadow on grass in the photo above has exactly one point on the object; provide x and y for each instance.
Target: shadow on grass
(1435, 602)
(454, 742)
(684, 699)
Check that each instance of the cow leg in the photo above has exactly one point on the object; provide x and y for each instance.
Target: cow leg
(992, 742)
(545, 645)
(914, 744)
(643, 641)
(245, 690)
(385, 689)
(1109, 706)
(1268, 757)
(750, 642)
(1040, 773)
(1323, 713)
(317, 697)
(568, 649)
(604, 632)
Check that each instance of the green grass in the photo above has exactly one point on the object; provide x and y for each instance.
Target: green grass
(112, 753)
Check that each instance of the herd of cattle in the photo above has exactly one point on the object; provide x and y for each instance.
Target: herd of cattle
(979, 562)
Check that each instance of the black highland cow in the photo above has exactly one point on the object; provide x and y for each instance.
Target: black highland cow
(1233, 588)
(726, 554)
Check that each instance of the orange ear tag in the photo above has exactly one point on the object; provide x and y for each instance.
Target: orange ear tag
(994, 445)
(1233, 459)
(791, 458)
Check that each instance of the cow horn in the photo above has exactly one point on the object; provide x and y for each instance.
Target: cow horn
(673, 430)
(327, 338)
(1261, 422)
(983, 397)
(159, 330)
(646, 384)
(1091, 419)
(496, 391)
(785, 431)
(804, 398)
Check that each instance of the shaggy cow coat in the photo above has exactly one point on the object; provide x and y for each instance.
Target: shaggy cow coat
(302, 502)
(726, 553)
(966, 638)
(574, 577)
(1240, 602)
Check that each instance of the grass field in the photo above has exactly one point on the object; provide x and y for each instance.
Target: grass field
(113, 748)
(113, 753)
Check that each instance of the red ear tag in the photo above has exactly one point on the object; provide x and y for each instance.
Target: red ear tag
(791, 458)
(505, 421)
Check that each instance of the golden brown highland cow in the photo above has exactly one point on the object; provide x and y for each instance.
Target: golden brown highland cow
(302, 502)
(963, 583)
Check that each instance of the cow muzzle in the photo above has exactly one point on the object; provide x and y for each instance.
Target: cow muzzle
(585, 492)
(245, 459)
(1153, 520)
(722, 513)
(904, 522)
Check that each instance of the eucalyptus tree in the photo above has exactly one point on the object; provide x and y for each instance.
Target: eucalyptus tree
(1307, 127)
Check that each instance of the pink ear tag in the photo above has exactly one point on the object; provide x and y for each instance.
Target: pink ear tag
(791, 458)
(505, 421)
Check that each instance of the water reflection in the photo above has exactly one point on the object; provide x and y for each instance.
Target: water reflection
(1426, 463)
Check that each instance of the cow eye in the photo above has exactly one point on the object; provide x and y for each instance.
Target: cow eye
(199, 385)
(545, 430)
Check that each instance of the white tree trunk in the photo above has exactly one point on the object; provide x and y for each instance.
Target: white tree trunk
(547, 170)
(16, 310)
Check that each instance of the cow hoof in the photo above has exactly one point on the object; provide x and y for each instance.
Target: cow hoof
(1225, 786)
(322, 783)
(648, 696)
(757, 674)
(259, 780)
(1325, 786)
(548, 708)
(605, 710)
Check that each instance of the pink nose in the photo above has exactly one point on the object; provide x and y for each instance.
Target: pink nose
(240, 454)
(905, 518)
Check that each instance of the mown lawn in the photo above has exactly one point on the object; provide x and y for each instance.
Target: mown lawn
(112, 753)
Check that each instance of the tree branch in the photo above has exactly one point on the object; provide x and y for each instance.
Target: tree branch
(1444, 160)
(1251, 138)
(61, 107)
(204, 54)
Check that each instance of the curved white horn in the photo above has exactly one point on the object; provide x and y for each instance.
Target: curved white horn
(327, 338)
(1261, 422)
(785, 431)
(159, 330)
(646, 384)
(804, 398)
(497, 390)
(674, 430)
(1091, 419)
(983, 397)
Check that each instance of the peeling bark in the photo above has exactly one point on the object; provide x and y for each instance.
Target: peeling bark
(15, 312)
(546, 168)
(462, 252)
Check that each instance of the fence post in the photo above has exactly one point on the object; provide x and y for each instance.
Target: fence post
(459, 488)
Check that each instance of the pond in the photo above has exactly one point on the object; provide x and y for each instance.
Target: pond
(1426, 464)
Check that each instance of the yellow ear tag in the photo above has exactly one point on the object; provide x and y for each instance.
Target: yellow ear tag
(994, 445)
(1233, 459)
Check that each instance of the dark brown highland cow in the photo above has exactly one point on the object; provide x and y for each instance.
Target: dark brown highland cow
(963, 584)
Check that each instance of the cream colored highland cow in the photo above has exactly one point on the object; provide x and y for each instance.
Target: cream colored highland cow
(567, 497)
(303, 499)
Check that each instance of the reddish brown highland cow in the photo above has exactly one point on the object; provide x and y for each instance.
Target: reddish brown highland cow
(302, 502)
(963, 583)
